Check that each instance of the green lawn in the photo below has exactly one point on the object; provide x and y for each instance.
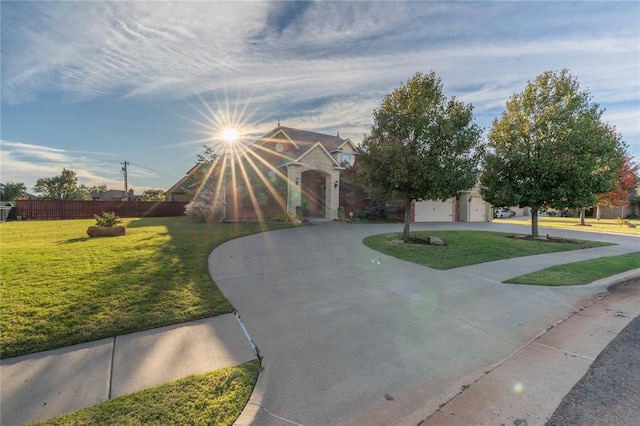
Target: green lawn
(60, 287)
(468, 247)
(579, 273)
(214, 398)
(573, 223)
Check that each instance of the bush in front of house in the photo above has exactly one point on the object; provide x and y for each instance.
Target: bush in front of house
(201, 211)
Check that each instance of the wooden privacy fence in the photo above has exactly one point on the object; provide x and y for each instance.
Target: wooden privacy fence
(66, 209)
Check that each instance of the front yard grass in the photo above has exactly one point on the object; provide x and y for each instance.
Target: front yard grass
(579, 273)
(60, 287)
(214, 398)
(468, 247)
(573, 223)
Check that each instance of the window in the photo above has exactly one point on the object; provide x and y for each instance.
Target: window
(346, 158)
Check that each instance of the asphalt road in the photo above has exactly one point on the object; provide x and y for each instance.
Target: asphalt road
(609, 393)
(350, 336)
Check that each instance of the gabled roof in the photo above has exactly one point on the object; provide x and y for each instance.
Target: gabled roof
(302, 142)
(188, 181)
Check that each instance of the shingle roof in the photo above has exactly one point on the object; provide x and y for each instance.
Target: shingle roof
(304, 140)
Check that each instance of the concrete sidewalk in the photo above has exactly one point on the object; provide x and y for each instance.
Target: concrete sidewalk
(526, 388)
(43, 385)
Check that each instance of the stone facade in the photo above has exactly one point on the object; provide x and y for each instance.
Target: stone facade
(317, 160)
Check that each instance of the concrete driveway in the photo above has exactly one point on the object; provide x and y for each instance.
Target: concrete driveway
(351, 336)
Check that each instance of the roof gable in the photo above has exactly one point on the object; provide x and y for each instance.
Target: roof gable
(302, 141)
(348, 142)
(323, 149)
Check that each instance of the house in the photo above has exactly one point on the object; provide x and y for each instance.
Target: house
(114, 195)
(297, 172)
(185, 188)
(286, 170)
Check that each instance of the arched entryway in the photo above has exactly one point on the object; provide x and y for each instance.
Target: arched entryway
(315, 193)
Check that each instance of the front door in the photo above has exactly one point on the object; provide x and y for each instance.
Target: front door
(314, 189)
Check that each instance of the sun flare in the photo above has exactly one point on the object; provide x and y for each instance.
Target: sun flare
(230, 134)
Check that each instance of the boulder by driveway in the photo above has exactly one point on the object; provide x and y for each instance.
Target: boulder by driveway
(351, 336)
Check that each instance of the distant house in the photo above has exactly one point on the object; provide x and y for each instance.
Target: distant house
(114, 195)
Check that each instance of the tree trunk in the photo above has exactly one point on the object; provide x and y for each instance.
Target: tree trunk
(534, 222)
(582, 214)
(598, 212)
(407, 219)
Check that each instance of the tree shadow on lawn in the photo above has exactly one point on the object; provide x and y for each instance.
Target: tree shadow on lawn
(161, 279)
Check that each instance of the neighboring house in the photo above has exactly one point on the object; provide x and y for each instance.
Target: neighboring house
(114, 195)
(184, 189)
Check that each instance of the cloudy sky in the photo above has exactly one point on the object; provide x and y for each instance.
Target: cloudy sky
(88, 85)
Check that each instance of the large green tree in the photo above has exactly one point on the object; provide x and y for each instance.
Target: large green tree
(550, 148)
(12, 191)
(65, 187)
(422, 146)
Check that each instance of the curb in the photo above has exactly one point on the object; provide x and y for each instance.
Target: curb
(250, 411)
(613, 281)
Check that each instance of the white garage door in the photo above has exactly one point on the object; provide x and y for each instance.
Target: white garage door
(435, 211)
(478, 211)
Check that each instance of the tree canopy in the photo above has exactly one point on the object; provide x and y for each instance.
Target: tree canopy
(153, 195)
(12, 191)
(65, 187)
(550, 148)
(627, 179)
(422, 146)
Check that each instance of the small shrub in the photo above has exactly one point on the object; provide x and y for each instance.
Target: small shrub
(107, 219)
(632, 216)
(286, 217)
(202, 212)
(361, 215)
(624, 223)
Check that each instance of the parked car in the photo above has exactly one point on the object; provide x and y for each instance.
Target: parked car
(505, 212)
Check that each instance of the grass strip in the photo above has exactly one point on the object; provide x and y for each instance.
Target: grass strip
(611, 226)
(579, 273)
(60, 287)
(214, 398)
(468, 247)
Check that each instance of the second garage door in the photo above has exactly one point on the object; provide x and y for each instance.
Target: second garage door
(435, 211)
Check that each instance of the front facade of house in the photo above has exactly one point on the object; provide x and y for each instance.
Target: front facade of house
(297, 173)
(286, 170)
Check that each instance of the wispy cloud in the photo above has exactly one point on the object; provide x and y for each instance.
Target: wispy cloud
(319, 65)
(23, 162)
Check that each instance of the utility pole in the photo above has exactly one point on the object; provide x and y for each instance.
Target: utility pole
(126, 185)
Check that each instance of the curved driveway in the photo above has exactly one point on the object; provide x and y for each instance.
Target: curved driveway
(352, 336)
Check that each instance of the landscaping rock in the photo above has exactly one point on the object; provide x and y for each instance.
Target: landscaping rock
(435, 241)
(106, 231)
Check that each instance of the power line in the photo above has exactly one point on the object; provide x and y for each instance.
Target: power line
(154, 171)
(74, 161)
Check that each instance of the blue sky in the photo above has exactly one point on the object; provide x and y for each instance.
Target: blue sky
(87, 85)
